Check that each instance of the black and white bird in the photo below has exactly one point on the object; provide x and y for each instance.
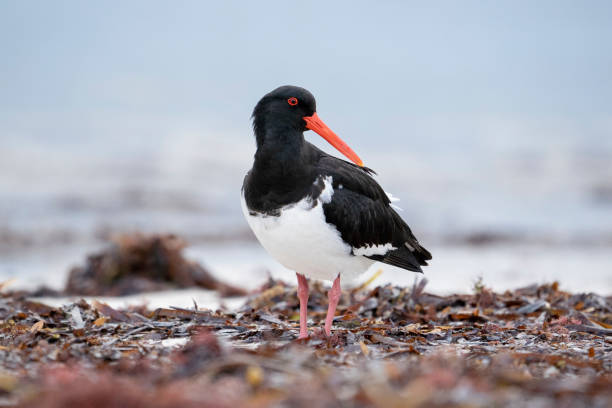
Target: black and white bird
(320, 216)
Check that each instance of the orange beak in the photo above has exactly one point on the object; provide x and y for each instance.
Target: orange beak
(315, 124)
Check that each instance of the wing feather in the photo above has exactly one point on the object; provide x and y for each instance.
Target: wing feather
(363, 214)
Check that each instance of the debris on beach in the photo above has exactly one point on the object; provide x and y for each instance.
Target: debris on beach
(391, 346)
(136, 263)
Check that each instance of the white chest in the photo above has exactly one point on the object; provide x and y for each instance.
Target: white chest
(301, 240)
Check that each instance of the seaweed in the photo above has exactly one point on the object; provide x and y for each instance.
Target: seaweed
(135, 263)
(391, 346)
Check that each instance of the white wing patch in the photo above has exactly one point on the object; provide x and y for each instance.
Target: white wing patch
(370, 250)
(328, 191)
(393, 199)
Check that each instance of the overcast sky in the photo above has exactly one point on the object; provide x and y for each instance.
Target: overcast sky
(410, 71)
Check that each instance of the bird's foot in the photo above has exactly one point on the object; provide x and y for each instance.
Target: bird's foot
(319, 333)
(319, 336)
(332, 339)
(316, 334)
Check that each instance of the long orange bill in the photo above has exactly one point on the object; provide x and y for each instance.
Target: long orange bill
(315, 124)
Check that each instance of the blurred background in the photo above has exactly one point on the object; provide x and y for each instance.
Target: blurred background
(492, 121)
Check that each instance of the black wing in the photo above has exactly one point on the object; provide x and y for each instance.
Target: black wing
(361, 211)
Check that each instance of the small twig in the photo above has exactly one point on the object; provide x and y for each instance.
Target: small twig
(600, 331)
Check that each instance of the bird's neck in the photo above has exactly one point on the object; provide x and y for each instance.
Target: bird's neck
(279, 147)
(282, 172)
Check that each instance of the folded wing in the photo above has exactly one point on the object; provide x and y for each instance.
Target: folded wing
(362, 212)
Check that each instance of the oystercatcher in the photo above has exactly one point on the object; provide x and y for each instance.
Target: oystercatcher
(320, 216)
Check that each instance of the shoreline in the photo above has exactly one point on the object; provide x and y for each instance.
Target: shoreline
(453, 270)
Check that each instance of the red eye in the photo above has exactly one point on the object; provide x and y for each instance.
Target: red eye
(292, 101)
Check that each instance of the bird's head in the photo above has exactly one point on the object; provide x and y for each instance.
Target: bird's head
(294, 109)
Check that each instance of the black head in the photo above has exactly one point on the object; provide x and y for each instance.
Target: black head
(282, 116)
(284, 108)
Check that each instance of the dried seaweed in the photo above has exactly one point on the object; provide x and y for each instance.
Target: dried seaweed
(391, 346)
(142, 263)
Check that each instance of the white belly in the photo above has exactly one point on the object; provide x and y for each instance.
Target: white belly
(302, 241)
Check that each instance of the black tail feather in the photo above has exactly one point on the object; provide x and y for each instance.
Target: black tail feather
(402, 258)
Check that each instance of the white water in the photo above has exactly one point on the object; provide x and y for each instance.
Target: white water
(453, 270)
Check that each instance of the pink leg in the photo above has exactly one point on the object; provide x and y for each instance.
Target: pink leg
(334, 296)
(302, 293)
